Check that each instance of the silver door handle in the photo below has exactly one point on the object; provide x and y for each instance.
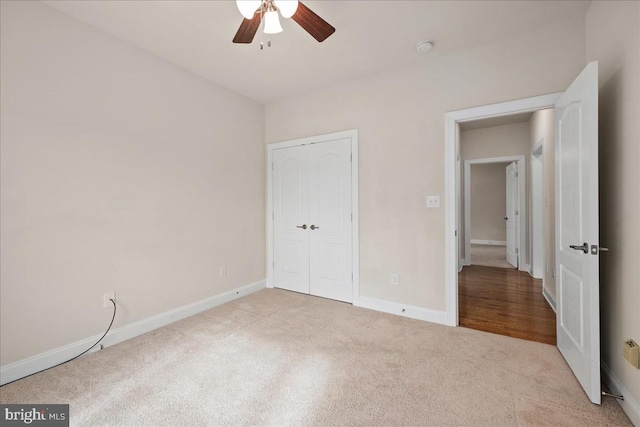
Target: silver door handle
(303, 226)
(313, 227)
(584, 247)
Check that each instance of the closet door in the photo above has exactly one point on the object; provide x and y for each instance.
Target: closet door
(290, 215)
(330, 250)
(312, 219)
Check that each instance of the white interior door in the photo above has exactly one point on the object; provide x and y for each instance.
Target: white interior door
(312, 219)
(577, 300)
(330, 217)
(511, 214)
(291, 219)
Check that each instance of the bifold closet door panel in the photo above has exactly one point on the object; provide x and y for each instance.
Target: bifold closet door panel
(330, 234)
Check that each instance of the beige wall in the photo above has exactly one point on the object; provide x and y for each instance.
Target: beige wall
(120, 172)
(400, 117)
(488, 202)
(613, 39)
(497, 141)
(542, 127)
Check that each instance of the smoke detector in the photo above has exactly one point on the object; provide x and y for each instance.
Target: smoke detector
(425, 46)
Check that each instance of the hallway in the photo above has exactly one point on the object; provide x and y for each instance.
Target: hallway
(506, 302)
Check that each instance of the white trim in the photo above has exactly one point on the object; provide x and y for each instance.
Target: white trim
(355, 229)
(521, 235)
(28, 366)
(550, 300)
(269, 217)
(451, 120)
(629, 405)
(488, 242)
(420, 313)
(536, 222)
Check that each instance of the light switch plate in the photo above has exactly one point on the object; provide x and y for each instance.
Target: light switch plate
(433, 201)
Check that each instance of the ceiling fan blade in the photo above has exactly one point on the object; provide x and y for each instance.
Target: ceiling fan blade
(312, 23)
(248, 29)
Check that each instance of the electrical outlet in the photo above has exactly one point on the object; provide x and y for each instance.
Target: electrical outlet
(395, 279)
(223, 270)
(106, 303)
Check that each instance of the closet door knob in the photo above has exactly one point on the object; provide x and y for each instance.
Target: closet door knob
(303, 226)
(313, 227)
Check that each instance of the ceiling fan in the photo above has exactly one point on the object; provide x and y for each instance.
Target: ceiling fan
(254, 11)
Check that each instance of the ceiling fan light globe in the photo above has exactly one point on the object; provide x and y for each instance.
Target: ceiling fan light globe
(272, 23)
(248, 7)
(287, 7)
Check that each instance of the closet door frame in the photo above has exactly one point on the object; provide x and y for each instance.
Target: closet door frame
(351, 134)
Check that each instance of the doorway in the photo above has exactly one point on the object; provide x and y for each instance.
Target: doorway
(453, 197)
(493, 295)
(492, 210)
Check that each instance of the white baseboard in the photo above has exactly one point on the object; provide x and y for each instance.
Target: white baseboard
(28, 366)
(488, 242)
(629, 405)
(405, 310)
(550, 300)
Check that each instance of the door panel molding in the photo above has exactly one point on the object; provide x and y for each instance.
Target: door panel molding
(352, 135)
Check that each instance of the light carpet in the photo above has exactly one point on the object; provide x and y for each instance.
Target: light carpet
(490, 256)
(281, 358)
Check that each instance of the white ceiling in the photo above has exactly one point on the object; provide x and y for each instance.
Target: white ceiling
(371, 37)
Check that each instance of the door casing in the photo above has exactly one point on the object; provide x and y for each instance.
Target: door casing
(537, 226)
(351, 134)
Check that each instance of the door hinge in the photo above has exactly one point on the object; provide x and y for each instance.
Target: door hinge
(516, 174)
(517, 213)
(517, 250)
(455, 233)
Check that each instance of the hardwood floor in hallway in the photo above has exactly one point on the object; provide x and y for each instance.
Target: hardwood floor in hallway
(506, 302)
